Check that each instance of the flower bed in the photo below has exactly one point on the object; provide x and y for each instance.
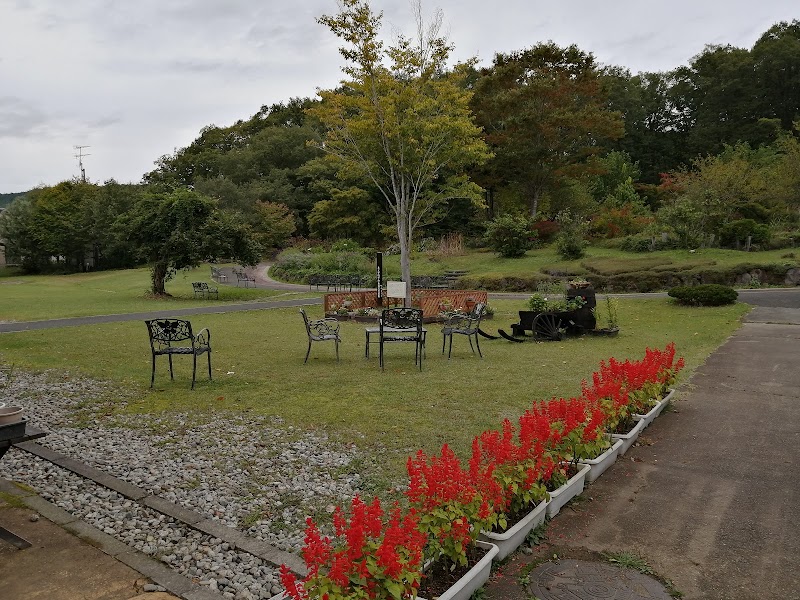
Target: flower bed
(430, 301)
(380, 555)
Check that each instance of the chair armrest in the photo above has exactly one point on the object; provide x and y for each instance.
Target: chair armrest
(203, 337)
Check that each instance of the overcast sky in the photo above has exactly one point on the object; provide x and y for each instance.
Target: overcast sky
(135, 80)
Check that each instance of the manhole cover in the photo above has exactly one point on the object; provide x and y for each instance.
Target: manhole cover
(585, 580)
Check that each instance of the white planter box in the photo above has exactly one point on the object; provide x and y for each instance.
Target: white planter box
(472, 579)
(656, 410)
(568, 491)
(628, 438)
(601, 463)
(514, 536)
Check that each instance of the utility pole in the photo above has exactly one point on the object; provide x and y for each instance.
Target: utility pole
(80, 156)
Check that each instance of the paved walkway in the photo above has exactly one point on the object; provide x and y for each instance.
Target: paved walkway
(710, 499)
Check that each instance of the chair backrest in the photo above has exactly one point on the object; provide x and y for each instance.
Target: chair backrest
(305, 320)
(166, 331)
(478, 311)
(197, 286)
(402, 318)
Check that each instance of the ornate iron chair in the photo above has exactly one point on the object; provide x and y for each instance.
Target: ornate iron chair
(403, 325)
(321, 330)
(166, 333)
(464, 324)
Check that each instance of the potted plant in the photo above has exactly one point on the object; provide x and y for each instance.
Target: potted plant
(348, 301)
(374, 554)
(445, 305)
(578, 283)
(611, 328)
(511, 468)
(452, 512)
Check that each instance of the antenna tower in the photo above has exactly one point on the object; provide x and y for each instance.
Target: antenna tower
(80, 156)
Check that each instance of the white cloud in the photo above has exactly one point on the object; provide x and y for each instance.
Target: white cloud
(135, 80)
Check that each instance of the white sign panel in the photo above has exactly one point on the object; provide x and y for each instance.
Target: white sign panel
(396, 289)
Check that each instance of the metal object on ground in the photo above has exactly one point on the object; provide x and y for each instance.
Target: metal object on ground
(587, 580)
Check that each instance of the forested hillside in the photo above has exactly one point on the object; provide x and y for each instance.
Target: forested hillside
(707, 154)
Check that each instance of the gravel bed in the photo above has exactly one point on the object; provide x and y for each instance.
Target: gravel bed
(203, 558)
(249, 472)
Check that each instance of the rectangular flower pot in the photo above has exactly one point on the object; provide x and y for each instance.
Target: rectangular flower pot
(628, 438)
(656, 410)
(473, 579)
(512, 538)
(601, 463)
(568, 491)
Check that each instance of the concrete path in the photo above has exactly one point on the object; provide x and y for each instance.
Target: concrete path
(710, 498)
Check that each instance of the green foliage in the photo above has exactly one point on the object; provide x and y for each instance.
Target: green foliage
(569, 241)
(275, 224)
(292, 265)
(735, 233)
(180, 229)
(541, 303)
(510, 235)
(402, 120)
(543, 111)
(709, 294)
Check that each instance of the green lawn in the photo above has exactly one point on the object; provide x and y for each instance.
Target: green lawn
(38, 297)
(258, 368)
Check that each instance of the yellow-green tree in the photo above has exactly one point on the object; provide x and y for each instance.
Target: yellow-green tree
(401, 118)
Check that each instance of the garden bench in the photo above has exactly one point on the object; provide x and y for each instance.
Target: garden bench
(242, 277)
(202, 289)
(218, 276)
(174, 336)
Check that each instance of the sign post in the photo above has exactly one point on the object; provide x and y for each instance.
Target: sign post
(379, 275)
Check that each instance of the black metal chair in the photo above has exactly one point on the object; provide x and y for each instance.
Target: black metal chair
(166, 333)
(403, 325)
(321, 330)
(464, 324)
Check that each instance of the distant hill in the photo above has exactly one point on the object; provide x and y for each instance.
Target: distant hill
(6, 199)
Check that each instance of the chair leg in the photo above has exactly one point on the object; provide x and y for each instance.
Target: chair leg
(444, 341)
(380, 354)
(420, 350)
(478, 344)
(194, 367)
(209, 364)
(337, 350)
(450, 348)
(153, 373)
(469, 337)
(171, 376)
(307, 352)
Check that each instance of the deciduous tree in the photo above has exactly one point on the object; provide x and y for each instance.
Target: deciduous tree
(401, 118)
(544, 112)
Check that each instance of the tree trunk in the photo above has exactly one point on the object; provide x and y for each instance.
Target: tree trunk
(159, 273)
(404, 236)
(534, 204)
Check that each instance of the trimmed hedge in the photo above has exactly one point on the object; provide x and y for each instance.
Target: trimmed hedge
(709, 294)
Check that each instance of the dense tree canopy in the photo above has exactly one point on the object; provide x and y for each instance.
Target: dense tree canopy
(544, 112)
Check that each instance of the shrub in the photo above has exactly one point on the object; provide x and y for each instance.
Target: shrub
(510, 236)
(709, 294)
(570, 244)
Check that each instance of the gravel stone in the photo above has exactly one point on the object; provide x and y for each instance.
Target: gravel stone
(249, 472)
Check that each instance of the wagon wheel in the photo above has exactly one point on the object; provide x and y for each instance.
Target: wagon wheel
(547, 326)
